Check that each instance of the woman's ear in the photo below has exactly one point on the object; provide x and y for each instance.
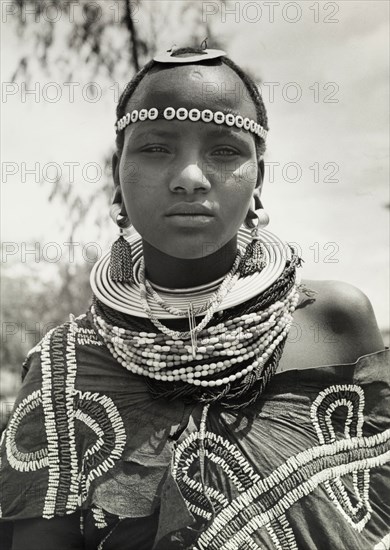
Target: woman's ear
(260, 176)
(115, 169)
(118, 207)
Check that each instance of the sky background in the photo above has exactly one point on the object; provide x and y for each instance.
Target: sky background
(328, 146)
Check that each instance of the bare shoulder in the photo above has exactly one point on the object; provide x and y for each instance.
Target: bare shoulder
(333, 324)
(340, 297)
(347, 310)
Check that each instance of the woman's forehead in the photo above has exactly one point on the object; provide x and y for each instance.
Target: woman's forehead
(217, 88)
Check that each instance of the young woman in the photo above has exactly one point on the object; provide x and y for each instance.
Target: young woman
(176, 413)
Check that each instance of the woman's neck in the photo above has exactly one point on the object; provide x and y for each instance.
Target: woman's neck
(171, 272)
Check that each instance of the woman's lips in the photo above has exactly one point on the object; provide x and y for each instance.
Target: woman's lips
(190, 220)
(191, 209)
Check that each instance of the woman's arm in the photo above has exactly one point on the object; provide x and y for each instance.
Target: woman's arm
(59, 533)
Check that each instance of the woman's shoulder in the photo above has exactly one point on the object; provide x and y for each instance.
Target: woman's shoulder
(339, 296)
(334, 323)
(347, 311)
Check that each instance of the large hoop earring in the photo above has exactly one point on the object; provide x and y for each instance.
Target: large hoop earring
(256, 216)
(253, 259)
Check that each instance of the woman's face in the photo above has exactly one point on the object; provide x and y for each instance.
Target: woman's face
(168, 169)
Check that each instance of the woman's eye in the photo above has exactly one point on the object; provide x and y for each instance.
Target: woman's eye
(154, 149)
(225, 152)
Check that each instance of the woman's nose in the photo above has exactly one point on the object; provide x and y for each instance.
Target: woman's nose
(190, 179)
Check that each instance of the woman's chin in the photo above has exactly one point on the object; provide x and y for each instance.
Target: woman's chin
(185, 254)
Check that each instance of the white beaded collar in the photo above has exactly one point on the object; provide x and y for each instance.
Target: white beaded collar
(125, 297)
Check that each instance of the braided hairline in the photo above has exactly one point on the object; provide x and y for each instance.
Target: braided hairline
(248, 82)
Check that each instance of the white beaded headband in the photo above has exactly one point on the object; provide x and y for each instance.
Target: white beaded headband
(169, 113)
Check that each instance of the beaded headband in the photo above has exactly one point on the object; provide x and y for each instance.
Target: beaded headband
(169, 113)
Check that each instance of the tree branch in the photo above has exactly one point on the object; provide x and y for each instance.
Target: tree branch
(133, 35)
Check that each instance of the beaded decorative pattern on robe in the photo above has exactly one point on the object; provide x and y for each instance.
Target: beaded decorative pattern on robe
(85, 436)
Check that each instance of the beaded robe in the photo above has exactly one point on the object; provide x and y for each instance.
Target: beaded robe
(305, 468)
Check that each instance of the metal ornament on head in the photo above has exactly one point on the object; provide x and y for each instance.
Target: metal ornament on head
(204, 55)
(169, 57)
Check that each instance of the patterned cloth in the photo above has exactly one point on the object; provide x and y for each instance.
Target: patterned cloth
(307, 468)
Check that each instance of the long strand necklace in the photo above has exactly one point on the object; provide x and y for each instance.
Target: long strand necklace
(209, 308)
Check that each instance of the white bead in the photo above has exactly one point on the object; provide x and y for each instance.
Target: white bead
(169, 113)
(230, 119)
(194, 115)
(239, 121)
(134, 115)
(219, 117)
(127, 118)
(182, 114)
(207, 115)
(247, 123)
(143, 114)
(253, 126)
(152, 113)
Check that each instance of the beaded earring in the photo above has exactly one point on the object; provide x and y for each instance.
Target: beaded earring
(253, 259)
(121, 262)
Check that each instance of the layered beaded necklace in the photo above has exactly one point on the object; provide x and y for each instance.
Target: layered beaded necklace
(217, 362)
(253, 336)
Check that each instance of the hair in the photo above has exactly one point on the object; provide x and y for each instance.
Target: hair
(182, 52)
